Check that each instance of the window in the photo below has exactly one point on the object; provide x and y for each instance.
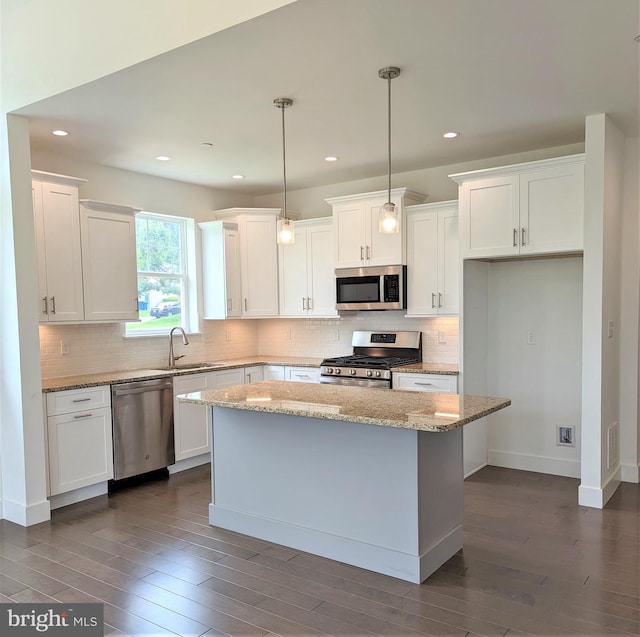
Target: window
(165, 255)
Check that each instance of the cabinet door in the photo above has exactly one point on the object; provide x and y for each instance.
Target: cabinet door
(293, 275)
(259, 266)
(448, 263)
(253, 374)
(422, 268)
(349, 222)
(489, 217)
(190, 421)
(80, 449)
(552, 209)
(438, 383)
(382, 248)
(110, 277)
(233, 283)
(57, 224)
(321, 279)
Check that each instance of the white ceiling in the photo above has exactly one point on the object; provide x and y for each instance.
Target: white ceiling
(509, 75)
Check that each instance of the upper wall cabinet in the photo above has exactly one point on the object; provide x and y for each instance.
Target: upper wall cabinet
(86, 254)
(57, 230)
(357, 240)
(221, 285)
(524, 209)
(109, 265)
(307, 280)
(258, 258)
(433, 259)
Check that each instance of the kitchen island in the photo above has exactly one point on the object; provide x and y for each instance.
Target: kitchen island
(369, 477)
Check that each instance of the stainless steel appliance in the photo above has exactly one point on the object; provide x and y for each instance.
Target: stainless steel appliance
(375, 354)
(142, 427)
(375, 288)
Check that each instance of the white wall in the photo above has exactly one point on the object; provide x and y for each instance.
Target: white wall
(542, 379)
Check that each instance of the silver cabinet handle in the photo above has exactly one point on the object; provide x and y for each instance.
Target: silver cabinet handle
(439, 299)
(136, 304)
(433, 299)
(424, 384)
(245, 305)
(229, 305)
(80, 400)
(309, 305)
(46, 305)
(361, 253)
(304, 305)
(368, 253)
(303, 376)
(515, 237)
(523, 243)
(53, 305)
(83, 416)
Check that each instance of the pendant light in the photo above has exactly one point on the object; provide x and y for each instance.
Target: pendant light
(389, 214)
(285, 234)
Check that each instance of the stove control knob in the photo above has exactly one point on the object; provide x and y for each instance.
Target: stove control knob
(369, 372)
(378, 374)
(329, 370)
(338, 371)
(353, 372)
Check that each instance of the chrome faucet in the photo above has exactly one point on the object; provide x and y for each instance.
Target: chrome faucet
(185, 341)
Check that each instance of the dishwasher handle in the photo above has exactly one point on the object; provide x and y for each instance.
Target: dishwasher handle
(125, 389)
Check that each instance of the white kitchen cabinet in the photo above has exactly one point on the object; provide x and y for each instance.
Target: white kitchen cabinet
(258, 258)
(221, 282)
(302, 374)
(524, 209)
(274, 372)
(229, 377)
(357, 239)
(109, 263)
(433, 259)
(79, 440)
(307, 280)
(440, 383)
(190, 421)
(253, 374)
(59, 253)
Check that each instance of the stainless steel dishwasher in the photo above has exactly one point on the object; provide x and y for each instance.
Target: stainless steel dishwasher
(142, 427)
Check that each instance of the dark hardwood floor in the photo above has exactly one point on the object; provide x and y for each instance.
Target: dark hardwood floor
(534, 562)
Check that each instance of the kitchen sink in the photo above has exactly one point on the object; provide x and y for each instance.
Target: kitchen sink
(185, 366)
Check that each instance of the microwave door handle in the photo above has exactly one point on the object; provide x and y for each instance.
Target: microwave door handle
(381, 295)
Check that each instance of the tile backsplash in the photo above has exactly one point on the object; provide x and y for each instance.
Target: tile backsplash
(97, 348)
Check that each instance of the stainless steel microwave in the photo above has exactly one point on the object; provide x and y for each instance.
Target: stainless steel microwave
(374, 288)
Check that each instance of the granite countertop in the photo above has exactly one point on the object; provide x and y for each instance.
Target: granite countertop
(60, 383)
(422, 411)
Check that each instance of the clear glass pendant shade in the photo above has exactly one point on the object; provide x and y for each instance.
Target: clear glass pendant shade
(286, 233)
(389, 220)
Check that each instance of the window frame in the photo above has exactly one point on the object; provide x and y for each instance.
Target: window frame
(188, 310)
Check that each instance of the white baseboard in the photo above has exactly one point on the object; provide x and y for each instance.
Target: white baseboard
(596, 497)
(539, 464)
(189, 463)
(26, 515)
(630, 473)
(78, 495)
(474, 470)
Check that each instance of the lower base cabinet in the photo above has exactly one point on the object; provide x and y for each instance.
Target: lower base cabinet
(79, 441)
(302, 374)
(442, 383)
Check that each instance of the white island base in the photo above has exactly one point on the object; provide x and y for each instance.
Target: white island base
(386, 499)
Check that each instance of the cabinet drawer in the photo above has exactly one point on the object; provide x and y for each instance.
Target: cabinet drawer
(66, 402)
(426, 382)
(302, 374)
(189, 383)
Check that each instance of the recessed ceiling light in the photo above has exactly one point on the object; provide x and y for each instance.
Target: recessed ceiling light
(59, 132)
(450, 135)
(163, 158)
(331, 158)
(237, 176)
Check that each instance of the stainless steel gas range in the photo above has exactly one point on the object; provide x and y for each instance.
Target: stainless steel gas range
(375, 354)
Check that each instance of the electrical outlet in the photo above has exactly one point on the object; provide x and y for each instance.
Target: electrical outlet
(566, 436)
(610, 329)
(227, 335)
(531, 337)
(442, 336)
(64, 347)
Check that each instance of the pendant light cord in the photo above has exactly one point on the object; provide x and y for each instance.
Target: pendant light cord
(284, 166)
(389, 130)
